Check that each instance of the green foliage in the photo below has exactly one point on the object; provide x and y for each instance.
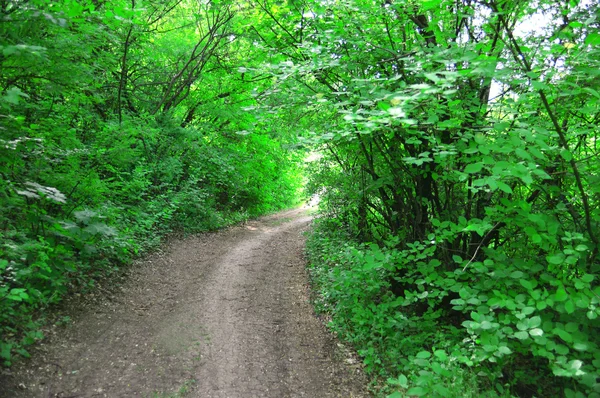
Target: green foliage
(494, 321)
(119, 124)
(394, 334)
(464, 147)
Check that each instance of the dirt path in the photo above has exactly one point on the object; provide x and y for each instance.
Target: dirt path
(221, 315)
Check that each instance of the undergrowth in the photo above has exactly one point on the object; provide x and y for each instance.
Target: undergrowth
(425, 331)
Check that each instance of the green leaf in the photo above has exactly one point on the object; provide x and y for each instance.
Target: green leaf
(418, 391)
(536, 152)
(539, 85)
(556, 259)
(473, 168)
(5, 349)
(437, 368)
(580, 346)
(522, 153)
(17, 295)
(457, 302)
(430, 4)
(561, 294)
(592, 39)
(403, 381)
(526, 284)
(442, 390)
(566, 155)
(383, 105)
(100, 229)
(522, 335)
(576, 364)
(486, 325)
(424, 355)
(570, 306)
(561, 349)
(528, 310)
(504, 187)
(85, 216)
(535, 321)
(563, 334)
(592, 315)
(571, 327)
(581, 300)
(536, 332)
(13, 95)
(23, 352)
(516, 274)
(441, 355)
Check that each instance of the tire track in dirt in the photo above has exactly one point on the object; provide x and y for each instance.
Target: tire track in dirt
(220, 315)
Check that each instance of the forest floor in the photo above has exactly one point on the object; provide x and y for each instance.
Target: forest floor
(224, 314)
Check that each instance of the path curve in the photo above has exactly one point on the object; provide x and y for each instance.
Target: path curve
(219, 315)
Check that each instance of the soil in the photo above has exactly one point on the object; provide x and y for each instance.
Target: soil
(223, 314)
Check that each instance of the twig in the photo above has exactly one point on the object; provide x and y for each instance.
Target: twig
(479, 246)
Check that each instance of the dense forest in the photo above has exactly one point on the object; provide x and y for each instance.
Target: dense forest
(454, 151)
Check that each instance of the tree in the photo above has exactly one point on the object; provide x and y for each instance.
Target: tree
(467, 146)
(120, 122)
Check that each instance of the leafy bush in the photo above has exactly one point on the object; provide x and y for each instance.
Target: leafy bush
(510, 325)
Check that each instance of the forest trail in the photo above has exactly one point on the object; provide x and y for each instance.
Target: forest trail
(223, 314)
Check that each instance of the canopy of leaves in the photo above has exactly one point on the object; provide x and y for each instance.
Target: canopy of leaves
(121, 121)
